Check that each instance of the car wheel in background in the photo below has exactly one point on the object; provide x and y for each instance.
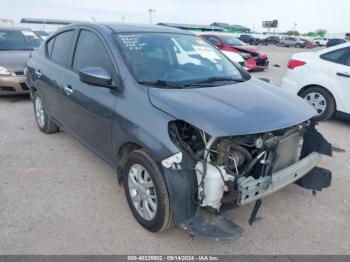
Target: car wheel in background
(321, 100)
(45, 124)
(146, 192)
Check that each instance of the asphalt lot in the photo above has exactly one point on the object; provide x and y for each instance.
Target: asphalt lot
(56, 197)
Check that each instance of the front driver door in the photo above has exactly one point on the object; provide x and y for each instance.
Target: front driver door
(88, 108)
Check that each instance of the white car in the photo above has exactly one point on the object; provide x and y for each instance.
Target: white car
(322, 78)
(321, 41)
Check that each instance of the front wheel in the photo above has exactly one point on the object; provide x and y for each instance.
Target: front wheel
(45, 124)
(146, 192)
(321, 100)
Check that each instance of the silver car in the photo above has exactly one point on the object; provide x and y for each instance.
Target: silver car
(15, 47)
(288, 41)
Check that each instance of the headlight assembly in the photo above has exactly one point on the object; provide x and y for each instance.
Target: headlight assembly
(4, 71)
(171, 161)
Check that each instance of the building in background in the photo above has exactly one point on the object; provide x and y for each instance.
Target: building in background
(232, 28)
(194, 28)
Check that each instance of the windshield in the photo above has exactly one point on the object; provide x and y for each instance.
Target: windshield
(175, 58)
(230, 40)
(18, 40)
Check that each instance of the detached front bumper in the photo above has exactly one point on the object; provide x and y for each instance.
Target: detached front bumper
(254, 189)
(12, 85)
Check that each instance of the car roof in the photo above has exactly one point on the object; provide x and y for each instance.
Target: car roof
(130, 28)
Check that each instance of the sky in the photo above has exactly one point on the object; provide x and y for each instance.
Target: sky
(308, 15)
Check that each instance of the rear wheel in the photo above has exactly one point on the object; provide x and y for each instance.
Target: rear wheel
(321, 100)
(146, 192)
(45, 124)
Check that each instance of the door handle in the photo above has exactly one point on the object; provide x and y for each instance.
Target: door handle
(38, 74)
(68, 90)
(344, 74)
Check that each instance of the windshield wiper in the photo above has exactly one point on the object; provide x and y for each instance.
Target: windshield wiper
(214, 79)
(160, 83)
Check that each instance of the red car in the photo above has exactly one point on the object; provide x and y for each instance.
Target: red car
(255, 60)
(308, 44)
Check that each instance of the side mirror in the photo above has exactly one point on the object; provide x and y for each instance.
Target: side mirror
(96, 76)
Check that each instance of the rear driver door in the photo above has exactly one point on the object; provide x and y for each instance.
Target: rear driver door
(339, 70)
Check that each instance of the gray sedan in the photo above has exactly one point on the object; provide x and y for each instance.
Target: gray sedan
(15, 48)
(190, 134)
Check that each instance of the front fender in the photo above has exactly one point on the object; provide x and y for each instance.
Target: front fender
(182, 186)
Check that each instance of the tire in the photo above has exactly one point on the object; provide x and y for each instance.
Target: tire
(322, 94)
(155, 220)
(297, 45)
(44, 123)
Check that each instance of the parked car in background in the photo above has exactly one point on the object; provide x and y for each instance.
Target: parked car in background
(188, 140)
(43, 34)
(321, 41)
(15, 48)
(291, 41)
(271, 40)
(249, 39)
(255, 59)
(232, 55)
(308, 43)
(322, 78)
(335, 41)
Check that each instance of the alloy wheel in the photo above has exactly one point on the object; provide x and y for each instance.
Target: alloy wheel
(318, 101)
(39, 112)
(142, 192)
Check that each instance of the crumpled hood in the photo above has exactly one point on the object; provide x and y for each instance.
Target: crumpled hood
(248, 48)
(14, 60)
(250, 107)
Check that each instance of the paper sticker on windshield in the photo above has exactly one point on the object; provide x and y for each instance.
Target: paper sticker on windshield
(131, 41)
(206, 52)
(28, 33)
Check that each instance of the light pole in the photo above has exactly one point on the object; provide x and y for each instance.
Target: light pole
(123, 18)
(150, 14)
(295, 26)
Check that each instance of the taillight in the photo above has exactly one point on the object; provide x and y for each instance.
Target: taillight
(293, 63)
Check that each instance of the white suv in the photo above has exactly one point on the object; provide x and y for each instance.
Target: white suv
(323, 79)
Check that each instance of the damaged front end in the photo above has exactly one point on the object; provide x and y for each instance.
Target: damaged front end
(216, 174)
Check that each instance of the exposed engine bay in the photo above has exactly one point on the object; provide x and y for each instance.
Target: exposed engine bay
(233, 171)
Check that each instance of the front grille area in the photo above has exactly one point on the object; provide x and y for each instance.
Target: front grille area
(262, 62)
(24, 86)
(19, 73)
(7, 88)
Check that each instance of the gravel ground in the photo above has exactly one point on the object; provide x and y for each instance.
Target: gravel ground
(56, 197)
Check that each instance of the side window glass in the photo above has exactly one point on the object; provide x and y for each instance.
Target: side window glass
(347, 58)
(49, 46)
(340, 56)
(62, 47)
(90, 52)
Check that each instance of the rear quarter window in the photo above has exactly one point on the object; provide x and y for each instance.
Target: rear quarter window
(340, 56)
(61, 47)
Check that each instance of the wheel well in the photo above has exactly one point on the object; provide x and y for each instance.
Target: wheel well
(123, 153)
(32, 91)
(325, 89)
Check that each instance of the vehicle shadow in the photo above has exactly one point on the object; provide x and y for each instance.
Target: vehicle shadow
(15, 98)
